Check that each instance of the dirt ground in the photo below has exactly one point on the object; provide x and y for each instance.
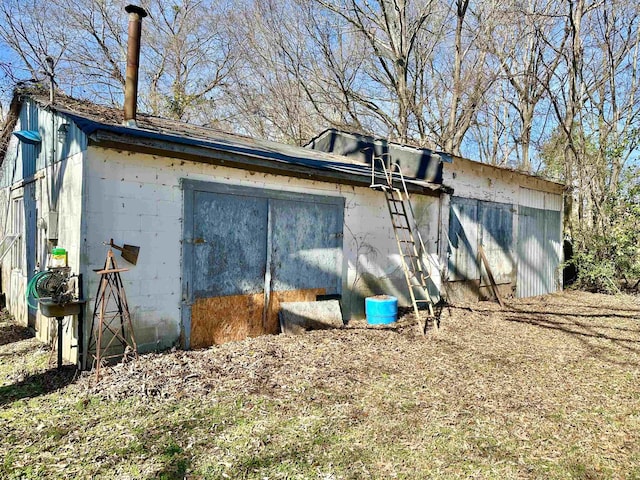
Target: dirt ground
(593, 326)
(547, 388)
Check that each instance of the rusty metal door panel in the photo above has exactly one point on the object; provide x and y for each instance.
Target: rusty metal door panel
(229, 244)
(463, 239)
(497, 239)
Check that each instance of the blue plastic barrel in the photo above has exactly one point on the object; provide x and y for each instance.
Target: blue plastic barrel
(381, 309)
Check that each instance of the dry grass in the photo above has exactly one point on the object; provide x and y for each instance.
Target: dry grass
(548, 388)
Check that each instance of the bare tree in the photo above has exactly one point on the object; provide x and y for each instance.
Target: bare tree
(527, 42)
(596, 106)
(475, 76)
(492, 132)
(188, 58)
(376, 67)
(185, 56)
(267, 92)
(93, 65)
(34, 32)
(454, 127)
(390, 31)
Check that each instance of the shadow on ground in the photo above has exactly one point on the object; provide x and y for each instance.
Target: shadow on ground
(10, 333)
(607, 331)
(37, 384)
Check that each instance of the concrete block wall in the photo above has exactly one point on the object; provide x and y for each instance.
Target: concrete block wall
(137, 199)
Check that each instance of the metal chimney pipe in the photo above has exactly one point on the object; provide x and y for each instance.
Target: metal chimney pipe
(136, 14)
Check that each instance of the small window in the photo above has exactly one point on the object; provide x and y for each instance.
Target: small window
(17, 215)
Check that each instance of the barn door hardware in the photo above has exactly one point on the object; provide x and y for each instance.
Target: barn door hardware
(406, 233)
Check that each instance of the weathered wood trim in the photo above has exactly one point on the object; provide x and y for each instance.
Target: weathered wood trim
(26, 181)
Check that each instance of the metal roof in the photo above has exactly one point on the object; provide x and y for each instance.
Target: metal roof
(161, 136)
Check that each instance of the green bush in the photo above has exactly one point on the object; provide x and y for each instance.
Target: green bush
(604, 256)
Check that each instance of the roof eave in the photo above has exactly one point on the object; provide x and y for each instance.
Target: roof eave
(163, 145)
(10, 124)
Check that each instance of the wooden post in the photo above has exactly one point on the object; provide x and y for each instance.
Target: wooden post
(490, 275)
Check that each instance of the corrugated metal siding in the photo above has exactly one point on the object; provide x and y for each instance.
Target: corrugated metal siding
(553, 201)
(29, 120)
(553, 234)
(7, 170)
(531, 198)
(21, 158)
(538, 251)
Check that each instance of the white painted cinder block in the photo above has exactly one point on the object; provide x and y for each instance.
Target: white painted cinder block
(140, 202)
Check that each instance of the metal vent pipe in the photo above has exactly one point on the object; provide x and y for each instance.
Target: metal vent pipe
(136, 14)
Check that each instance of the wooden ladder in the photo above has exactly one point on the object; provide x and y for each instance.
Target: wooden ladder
(406, 232)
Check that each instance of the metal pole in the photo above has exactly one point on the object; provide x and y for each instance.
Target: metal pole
(136, 14)
(59, 342)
